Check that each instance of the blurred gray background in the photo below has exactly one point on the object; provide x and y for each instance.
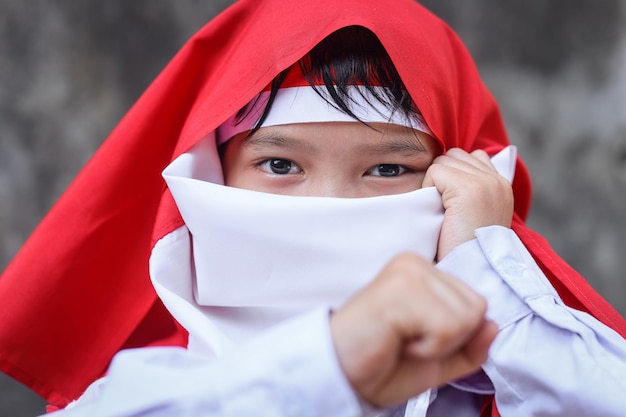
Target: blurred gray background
(69, 70)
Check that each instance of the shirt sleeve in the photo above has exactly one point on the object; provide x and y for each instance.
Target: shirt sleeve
(548, 359)
(291, 370)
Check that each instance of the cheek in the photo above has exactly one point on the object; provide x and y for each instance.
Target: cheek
(235, 176)
(400, 185)
(232, 164)
(241, 174)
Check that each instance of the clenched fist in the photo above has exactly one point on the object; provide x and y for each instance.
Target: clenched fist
(413, 328)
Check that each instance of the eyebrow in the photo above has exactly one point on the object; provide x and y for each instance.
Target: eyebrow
(265, 140)
(408, 145)
(395, 145)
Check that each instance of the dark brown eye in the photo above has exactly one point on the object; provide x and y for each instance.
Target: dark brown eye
(279, 166)
(387, 170)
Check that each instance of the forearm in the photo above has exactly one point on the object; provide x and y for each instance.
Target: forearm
(291, 370)
(547, 359)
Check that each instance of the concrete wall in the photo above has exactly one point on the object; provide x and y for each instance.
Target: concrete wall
(70, 70)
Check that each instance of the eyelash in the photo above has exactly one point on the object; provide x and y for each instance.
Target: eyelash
(401, 169)
(266, 166)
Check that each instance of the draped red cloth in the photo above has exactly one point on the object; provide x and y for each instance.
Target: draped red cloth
(79, 289)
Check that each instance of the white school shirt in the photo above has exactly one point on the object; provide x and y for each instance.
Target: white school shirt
(547, 360)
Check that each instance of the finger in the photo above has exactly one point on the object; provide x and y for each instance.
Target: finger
(478, 156)
(477, 349)
(463, 160)
(428, 180)
(411, 378)
(468, 359)
(446, 170)
(444, 334)
(482, 156)
(414, 376)
(462, 312)
(442, 314)
(460, 178)
(429, 310)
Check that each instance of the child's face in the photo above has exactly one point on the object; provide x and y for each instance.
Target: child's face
(335, 159)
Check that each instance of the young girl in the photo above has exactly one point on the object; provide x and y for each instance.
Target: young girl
(297, 300)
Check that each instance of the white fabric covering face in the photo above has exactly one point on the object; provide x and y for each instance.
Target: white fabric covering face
(252, 260)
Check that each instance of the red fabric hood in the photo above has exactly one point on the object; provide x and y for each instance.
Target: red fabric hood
(79, 289)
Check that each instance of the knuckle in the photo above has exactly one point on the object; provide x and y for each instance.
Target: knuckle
(481, 305)
(475, 312)
(409, 261)
(408, 271)
(446, 334)
(480, 154)
(455, 151)
(435, 168)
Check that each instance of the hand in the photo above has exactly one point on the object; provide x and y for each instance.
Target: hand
(413, 328)
(474, 195)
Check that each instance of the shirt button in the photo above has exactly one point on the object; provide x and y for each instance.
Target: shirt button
(513, 268)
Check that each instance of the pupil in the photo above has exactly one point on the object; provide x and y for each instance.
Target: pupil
(388, 170)
(280, 166)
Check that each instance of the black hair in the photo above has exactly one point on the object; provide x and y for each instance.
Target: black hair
(350, 56)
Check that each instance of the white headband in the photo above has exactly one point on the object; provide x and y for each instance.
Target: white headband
(305, 105)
